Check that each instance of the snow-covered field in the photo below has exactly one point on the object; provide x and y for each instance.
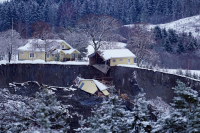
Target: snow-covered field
(190, 24)
(43, 62)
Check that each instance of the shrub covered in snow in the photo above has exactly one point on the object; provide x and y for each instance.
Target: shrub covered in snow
(188, 73)
(112, 116)
(179, 72)
(42, 114)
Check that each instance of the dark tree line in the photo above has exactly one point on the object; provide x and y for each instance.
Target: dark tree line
(172, 42)
(64, 13)
(176, 50)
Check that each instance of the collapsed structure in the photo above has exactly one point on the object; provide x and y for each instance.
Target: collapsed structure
(93, 86)
(102, 60)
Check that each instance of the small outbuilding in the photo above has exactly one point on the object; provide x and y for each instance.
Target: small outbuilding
(92, 86)
(112, 57)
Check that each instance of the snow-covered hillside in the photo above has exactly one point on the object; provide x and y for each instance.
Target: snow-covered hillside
(190, 24)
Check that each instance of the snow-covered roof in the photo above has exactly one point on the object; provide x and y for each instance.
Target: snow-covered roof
(70, 51)
(100, 85)
(54, 43)
(116, 53)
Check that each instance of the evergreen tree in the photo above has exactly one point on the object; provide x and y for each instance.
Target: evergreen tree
(191, 43)
(173, 37)
(141, 114)
(168, 46)
(110, 117)
(164, 33)
(180, 48)
(188, 73)
(48, 112)
(157, 33)
(184, 113)
(44, 113)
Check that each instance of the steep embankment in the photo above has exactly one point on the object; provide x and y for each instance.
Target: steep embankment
(154, 83)
(50, 74)
(128, 80)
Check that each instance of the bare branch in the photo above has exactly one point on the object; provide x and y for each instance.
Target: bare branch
(98, 28)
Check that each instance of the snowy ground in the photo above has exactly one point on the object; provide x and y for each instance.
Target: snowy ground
(43, 62)
(170, 71)
(173, 71)
(190, 24)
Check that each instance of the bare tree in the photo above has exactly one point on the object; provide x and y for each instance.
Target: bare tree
(140, 43)
(98, 28)
(10, 40)
(43, 31)
(78, 41)
(110, 45)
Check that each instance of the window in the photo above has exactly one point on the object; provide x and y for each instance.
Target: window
(81, 85)
(135, 60)
(73, 55)
(120, 59)
(22, 52)
(47, 55)
(114, 60)
(129, 61)
(31, 55)
(52, 55)
(63, 46)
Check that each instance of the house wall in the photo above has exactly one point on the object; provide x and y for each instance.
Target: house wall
(50, 58)
(92, 60)
(26, 55)
(62, 55)
(124, 61)
(105, 92)
(96, 59)
(65, 46)
(89, 86)
(68, 56)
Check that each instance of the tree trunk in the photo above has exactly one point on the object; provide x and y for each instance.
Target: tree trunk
(9, 56)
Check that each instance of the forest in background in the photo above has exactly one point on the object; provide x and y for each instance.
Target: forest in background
(69, 20)
(65, 13)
